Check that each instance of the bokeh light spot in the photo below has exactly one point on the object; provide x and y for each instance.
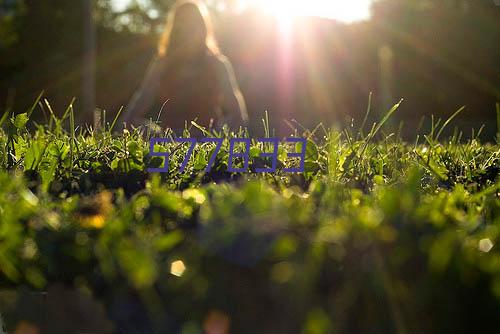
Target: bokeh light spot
(485, 245)
(177, 268)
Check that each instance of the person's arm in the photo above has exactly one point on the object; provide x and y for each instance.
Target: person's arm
(234, 107)
(144, 97)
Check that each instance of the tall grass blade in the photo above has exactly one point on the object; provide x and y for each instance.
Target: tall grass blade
(116, 119)
(448, 122)
(498, 122)
(368, 110)
(4, 116)
(33, 106)
(375, 130)
(66, 112)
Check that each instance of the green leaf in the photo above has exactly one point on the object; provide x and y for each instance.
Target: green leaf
(58, 149)
(311, 166)
(169, 241)
(20, 120)
(134, 148)
(311, 151)
(255, 152)
(201, 161)
(115, 164)
(33, 156)
(47, 173)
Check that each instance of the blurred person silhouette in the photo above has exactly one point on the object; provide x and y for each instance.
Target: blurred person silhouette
(189, 78)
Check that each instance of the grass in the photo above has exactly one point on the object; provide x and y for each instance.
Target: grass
(378, 235)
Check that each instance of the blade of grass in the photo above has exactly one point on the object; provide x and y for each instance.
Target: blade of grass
(47, 104)
(5, 116)
(68, 109)
(116, 119)
(498, 122)
(265, 122)
(385, 118)
(201, 128)
(73, 139)
(161, 110)
(455, 114)
(374, 132)
(33, 106)
(368, 110)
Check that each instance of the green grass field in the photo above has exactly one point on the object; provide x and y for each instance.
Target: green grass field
(378, 235)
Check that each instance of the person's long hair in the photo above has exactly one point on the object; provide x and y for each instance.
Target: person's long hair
(168, 40)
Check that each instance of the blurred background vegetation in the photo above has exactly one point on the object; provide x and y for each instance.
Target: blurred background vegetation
(437, 54)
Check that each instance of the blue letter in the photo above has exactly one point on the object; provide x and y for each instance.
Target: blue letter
(190, 151)
(301, 155)
(214, 155)
(273, 155)
(152, 152)
(245, 155)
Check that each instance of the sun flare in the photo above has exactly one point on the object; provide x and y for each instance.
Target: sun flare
(343, 10)
(286, 10)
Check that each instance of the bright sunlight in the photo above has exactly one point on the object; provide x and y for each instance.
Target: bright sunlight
(286, 10)
(342, 10)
